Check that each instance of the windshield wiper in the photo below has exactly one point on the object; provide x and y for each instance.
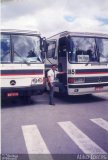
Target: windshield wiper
(92, 63)
(24, 60)
(86, 64)
(99, 63)
(103, 63)
(35, 60)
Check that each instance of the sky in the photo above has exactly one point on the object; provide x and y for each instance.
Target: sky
(54, 16)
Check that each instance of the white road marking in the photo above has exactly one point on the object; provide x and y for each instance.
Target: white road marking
(34, 141)
(83, 141)
(101, 122)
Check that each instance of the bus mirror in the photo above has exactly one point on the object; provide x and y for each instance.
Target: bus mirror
(43, 56)
(44, 45)
(55, 57)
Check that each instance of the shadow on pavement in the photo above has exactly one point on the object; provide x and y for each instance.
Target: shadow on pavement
(80, 98)
(17, 102)
(43, 100)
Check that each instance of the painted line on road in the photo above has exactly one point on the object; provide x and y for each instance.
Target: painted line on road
(101, 123)
(83, 141)
(34, 141)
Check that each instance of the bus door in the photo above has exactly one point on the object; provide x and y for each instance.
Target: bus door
(62, 60)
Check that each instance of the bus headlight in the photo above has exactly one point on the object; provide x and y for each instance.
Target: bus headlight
(76, 80)
(34, 81)
(80, 80)
(40, 80)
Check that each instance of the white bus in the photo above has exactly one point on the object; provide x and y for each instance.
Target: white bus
(84, 58)
(22, 66)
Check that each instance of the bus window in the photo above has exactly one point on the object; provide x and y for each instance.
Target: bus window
(83, 50)
(51, 49)
(5, 49)
(26, 48)
(103, 49)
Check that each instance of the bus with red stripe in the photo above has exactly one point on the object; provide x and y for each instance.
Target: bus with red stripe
(84, 59)
(22, 63)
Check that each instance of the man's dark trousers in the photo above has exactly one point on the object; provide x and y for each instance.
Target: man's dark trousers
(51, 90)
(51, 93)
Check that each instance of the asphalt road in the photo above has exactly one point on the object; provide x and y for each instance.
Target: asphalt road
(75, 125)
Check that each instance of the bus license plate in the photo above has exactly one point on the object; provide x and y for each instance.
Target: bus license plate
(98, 88)
(13, 94)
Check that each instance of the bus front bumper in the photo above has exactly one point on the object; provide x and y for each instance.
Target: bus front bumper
(22, 91)
(87, 89)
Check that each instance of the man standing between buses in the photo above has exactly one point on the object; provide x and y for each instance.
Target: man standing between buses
(52, 74)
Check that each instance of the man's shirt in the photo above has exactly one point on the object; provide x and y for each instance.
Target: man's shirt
(52, 74)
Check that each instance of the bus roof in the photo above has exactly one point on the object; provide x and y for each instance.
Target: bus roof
(86, 34)
(17, 31)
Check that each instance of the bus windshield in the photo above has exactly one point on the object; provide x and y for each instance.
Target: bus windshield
(26, 48)
(20, 49)
(88, 50)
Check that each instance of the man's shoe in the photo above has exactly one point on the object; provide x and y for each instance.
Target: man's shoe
(52, 104)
